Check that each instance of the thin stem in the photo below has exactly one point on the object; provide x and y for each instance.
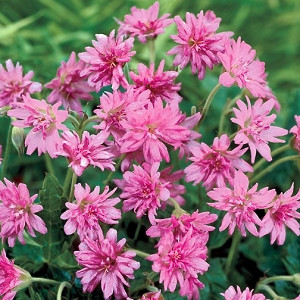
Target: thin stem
(61, 288)
(44, 280)
(89, 120)
(267, 289)
(74, 121)
(139, 253)
(108, 178)
(272, 166)
(137, 231)
(151, 44)
(232, 251)
(7, 152)
(277, 278)
(74, 178)
(48, 163)
(67, 181)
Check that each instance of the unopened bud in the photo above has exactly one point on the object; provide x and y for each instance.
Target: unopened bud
(193, 110)
(18, 137)
(4, 110)
(296, 279)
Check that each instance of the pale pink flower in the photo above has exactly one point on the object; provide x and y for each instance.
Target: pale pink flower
(144, 23)
(296, 131)
(143, 190)
(177, 260)
(283, 213)
(152, 296)
(152, 126)
(84, 214)
(240, 204)
(105, 261)
(190, 288)
(68, 86)
(159, 83)
(13, 86)
(106, 61)
(247, 294)
(45, 121)
(18, 213)
(198, 42)
(255, 127)
(215, 165)
(87, 150)
(12, 278)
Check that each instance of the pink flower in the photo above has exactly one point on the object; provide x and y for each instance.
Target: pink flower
(190, 288)
(85, 151)
(143, 190)
(106, 60)
(215, 166)
(296, 131)
(232, 294)
(84, 214)
(17, 213)
(255, 127)
(12, 278)
(105, 262)
(178, 260)
(152, 296)
(46, 121)
(69, 87)
(160, 84)
(149, 127)
(282, 213)
(240, 204)
(198, 42)
(144, 23)
(13, 86)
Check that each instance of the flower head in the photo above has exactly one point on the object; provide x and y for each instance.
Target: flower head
(105, 262)
(17, 213)
(144, 23)
(105, 61)
(240, 204)
(84, 214)
(152, 296)
(255, 127)
(232, 294)
(13, 86)
(296, 131)
(69, 87)
(198, 42)
(45, 121)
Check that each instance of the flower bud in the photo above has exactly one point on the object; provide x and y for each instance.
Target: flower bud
(18, 137)
(296, 279)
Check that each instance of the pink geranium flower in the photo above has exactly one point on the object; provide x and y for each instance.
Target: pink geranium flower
(18, 213)
(152, 296)
(296, 131)
(87, 150)
(282, 213)
(106, 61)
(69, 87)
(13, 86)
(45, 121)
(160, 84)
(143, 190)
(12, 278)
(149, 127)
(105, 262)
(240, 204)
(84, 214)
(144, 23)
(232, 294)
(255, 127)
(198, 42)
(215, 165)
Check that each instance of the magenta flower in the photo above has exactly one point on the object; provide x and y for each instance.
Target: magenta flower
(282, 213)
(84, 214)
(255, 127)
(198, 42)
(45, 121)
(149, 127)
(12, 278)
(215, 166)
(232, 294)
(190, 288)
(296, 131)
(69, 87)
(240, 204)
(143, 190)
(144, 23)
(152, 296)
(105, 61)
(13, 86)
(85, 151)
(17, 213)
(160, 84)
(105, 262)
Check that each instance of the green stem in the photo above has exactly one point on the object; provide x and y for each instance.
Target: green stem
(67, 182)
(262, 287)
(74, 178)
(137, 231)
(272, 166)
(117, 166)
(273, 153)
(277, 278)
(61, 288)
(233, 250)
(48, 163)
(44, 280)
(151, 44)
(89, 120)
(139, 253)
(74, 121)
(7, 152)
